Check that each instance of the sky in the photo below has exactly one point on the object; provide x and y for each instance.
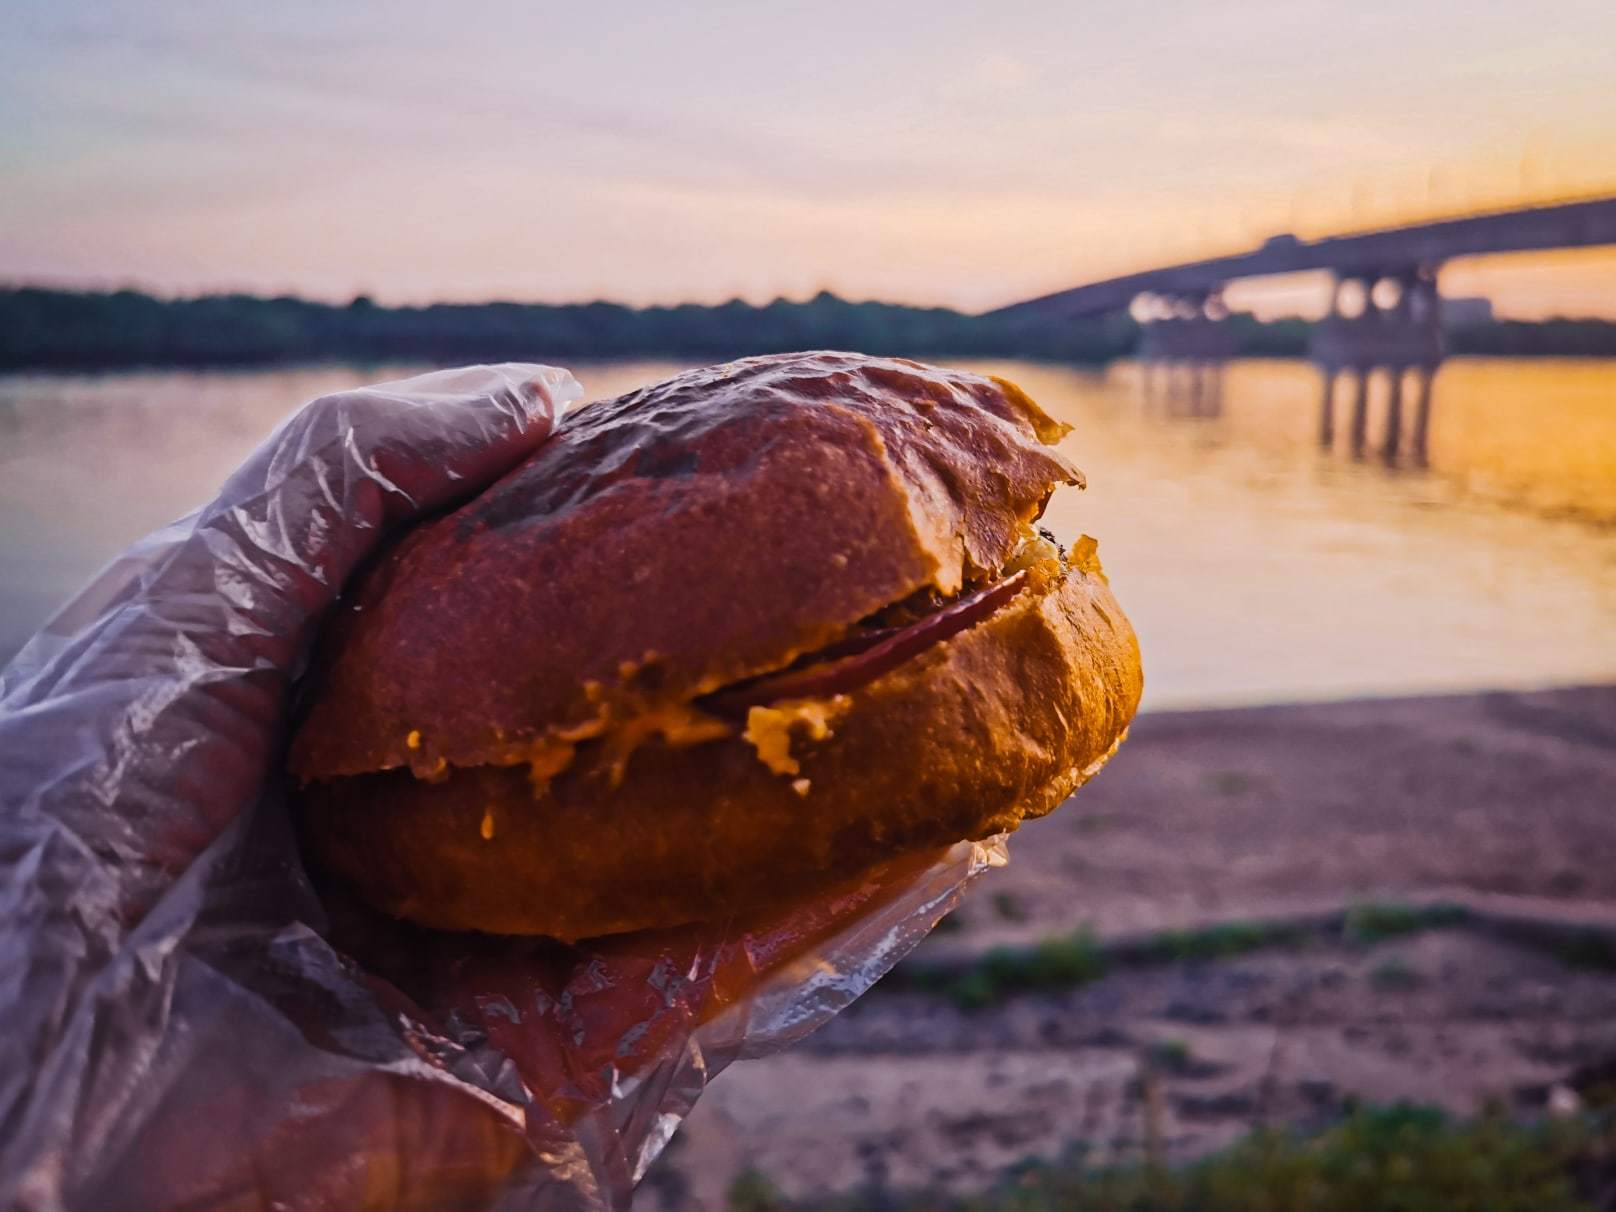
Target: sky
(967, 154)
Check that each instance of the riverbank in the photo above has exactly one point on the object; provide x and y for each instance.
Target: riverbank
(1373, 901)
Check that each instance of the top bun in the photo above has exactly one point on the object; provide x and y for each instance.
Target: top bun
(670, 542)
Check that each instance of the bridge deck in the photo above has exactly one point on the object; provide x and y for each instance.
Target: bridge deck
(1567, 225)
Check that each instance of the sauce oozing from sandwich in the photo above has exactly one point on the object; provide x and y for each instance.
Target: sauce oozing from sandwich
(859, 659)
(809, 692)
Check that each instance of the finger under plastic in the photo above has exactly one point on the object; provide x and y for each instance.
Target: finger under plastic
(143, 721)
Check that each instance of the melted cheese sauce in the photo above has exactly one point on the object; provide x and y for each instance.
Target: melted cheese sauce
(768, 729)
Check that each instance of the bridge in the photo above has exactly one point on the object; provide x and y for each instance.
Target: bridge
(1385, 310)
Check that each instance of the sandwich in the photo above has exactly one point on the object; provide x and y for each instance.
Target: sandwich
(716, 644)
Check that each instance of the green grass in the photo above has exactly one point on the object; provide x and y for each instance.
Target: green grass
(1397, 1159)
(1221, 941)
(753, 1192)
(1377, 921)
(1069, 960)
(1057, 963)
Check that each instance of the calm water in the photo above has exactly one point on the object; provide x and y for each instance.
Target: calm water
(1255, 565)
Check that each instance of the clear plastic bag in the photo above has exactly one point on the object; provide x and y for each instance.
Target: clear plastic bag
(189, 1025)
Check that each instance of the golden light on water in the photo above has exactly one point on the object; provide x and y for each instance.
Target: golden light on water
(1537, 435)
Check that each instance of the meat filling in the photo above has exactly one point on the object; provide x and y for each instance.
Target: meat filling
(888, 638)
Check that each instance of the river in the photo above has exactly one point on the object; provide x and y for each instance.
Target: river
(1256, 564)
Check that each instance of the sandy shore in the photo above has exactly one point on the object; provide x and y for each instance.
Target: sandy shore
(1504, 803)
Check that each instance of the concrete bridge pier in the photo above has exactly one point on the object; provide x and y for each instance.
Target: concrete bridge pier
(1388, 319)
(1385, 318)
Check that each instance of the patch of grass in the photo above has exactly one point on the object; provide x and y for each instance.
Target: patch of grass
(1067, 961)
(1408, 1158)
(1222, 940)
(1377, 921)
(973, 989)
(751, 1191)
(1371, 922)
(1058, 963)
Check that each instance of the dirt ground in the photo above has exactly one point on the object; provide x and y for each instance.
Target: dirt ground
(1505, 803)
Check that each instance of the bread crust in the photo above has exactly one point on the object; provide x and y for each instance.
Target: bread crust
(995, 724)
(660, 545)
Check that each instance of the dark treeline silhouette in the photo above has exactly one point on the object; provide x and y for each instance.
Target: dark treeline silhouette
(51, 328)
(60, 329)
(1520, 338)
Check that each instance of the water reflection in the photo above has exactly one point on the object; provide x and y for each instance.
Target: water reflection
(1402, 440)
(1176, 388)
(1538, 434)
(1255, 565)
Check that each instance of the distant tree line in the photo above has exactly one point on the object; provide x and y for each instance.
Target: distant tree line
(52, 328)
(1521, 338)
(82, 330)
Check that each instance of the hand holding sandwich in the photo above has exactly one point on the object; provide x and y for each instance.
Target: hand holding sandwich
(516, 740)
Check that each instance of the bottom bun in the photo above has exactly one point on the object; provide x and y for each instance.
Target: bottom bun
(964, 740)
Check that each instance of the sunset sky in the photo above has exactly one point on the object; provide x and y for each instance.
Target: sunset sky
(954, 153)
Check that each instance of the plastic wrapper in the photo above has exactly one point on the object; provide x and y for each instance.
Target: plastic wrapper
(190, 1024)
